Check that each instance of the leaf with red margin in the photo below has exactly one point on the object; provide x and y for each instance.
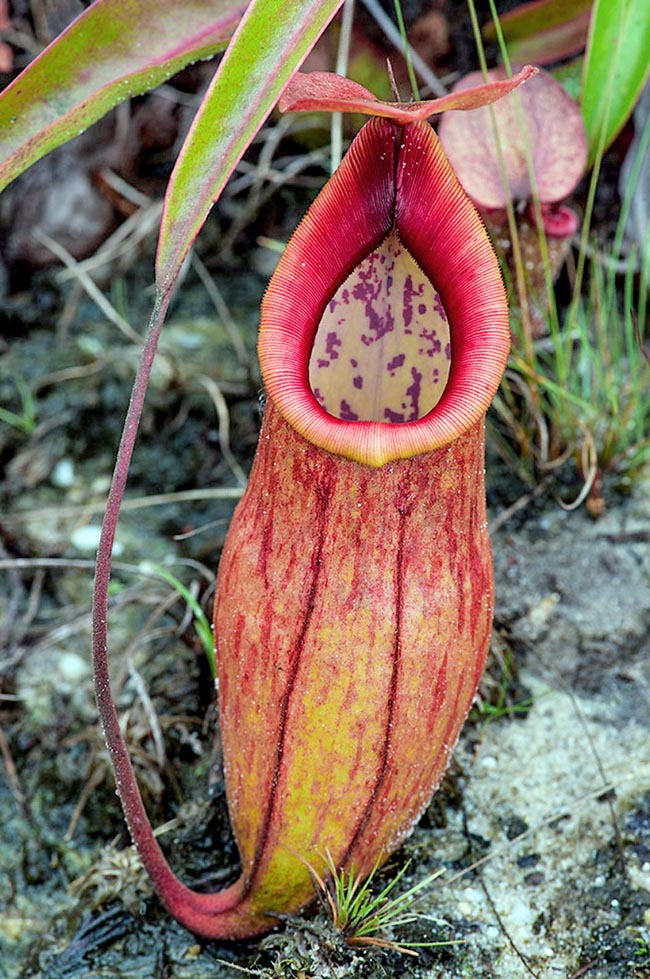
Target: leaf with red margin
(272, 40)
(543, 31)
(114, 50)
(326, 92)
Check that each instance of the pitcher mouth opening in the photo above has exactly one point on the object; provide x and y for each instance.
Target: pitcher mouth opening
(385, 328)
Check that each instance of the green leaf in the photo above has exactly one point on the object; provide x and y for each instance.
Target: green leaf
(201, 623)
(569, 75)
(543, 31)
(271, 42)
(531, 18)
(116, 49)
(616, 66)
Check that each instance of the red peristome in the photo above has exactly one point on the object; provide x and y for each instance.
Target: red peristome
(398, 179)
(324, 91)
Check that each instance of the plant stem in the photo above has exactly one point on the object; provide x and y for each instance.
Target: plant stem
(415, 92)
(342, 58)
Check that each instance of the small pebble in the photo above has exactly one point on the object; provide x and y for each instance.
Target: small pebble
(72, 667)
(62, 474)
(86, 539)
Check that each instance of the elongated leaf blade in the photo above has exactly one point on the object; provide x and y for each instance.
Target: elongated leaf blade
(539, 15)
(553, 43)
(271, 42)
(116, 49)
(616, 66)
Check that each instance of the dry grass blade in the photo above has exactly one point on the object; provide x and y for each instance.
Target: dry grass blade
(223, 416)
(394, 36)
(89, 286)
(222, 311)
(135, 503)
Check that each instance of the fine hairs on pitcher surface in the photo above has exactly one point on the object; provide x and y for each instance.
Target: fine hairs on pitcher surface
(354, 596)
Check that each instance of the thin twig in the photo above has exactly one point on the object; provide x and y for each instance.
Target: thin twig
(14, 779)
(392, 33)
(518, 505)
(124, 188)
(150, 712)
(223, 416)
(138, 503)
(95, 294)
(70, 374)
(125, 239)
(511, 942)
(582, 720)
(589, 461)
(94, 780)
(13, 602)
(222, 311)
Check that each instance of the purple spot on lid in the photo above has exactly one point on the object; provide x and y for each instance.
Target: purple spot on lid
(353, 362)
(358, 381)
(422, 309)
(322, 363)
(331, 343)
(333, 303)
(319, 395)
(435, 345)
(396, 362)
(393, 416)
(414, 391)
(439, 308)
(410, 292)
(346, 414)
(378, 325)
(448, 351)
